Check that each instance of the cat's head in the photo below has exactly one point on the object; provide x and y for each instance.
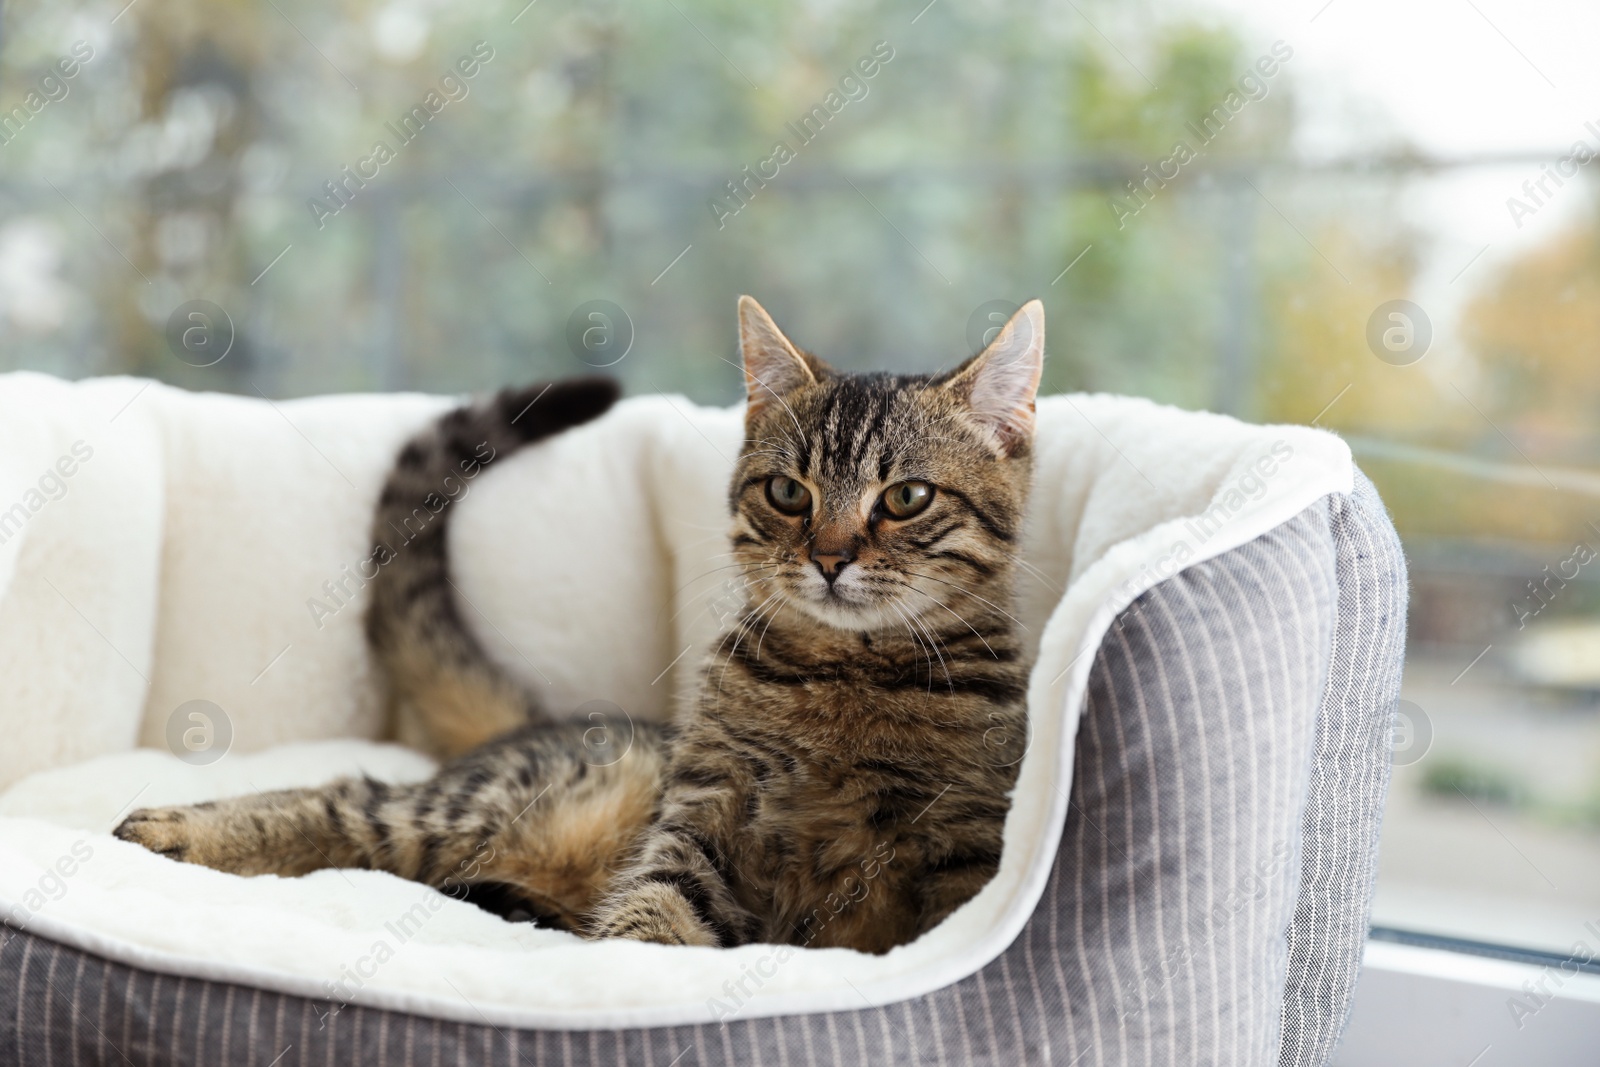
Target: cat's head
(869, 500)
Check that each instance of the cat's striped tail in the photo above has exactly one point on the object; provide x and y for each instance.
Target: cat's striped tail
(445, 693)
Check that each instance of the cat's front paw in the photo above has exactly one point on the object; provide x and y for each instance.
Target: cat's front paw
(179, 833)
(653, 912)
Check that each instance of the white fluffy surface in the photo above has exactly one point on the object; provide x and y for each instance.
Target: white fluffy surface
(179, 565)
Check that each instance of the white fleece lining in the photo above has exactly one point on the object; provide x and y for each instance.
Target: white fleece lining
(1118, 482)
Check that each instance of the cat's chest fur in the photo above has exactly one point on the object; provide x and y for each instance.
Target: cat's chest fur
(828, 855)
(839, 783)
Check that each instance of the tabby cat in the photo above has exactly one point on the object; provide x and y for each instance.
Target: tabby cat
(844, 774)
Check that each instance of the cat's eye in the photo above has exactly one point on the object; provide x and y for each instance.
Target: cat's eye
(788, 495)
(907, 499)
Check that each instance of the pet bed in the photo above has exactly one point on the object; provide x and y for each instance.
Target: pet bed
(1218, 611)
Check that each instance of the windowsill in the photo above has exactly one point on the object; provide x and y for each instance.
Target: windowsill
(1419, 1007)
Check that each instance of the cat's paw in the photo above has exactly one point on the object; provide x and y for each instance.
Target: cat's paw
(653, 912)
(178, 833)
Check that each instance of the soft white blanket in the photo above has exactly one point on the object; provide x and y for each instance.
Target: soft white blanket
(158, 547)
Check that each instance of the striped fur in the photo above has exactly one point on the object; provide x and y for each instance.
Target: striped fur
(845, 778)
(526, 823)
(445, 694)
(844, 775)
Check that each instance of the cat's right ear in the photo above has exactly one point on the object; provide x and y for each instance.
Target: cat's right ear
(1001, 383)
(773, 366)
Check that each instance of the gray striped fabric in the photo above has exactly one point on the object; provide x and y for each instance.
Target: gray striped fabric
(1349, 779)
(1234, 712)
(1190, 785)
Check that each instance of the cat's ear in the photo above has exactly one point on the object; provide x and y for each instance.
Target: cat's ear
(1000, 383)
(773, 367)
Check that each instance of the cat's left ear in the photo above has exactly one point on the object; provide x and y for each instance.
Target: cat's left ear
(1001, 383)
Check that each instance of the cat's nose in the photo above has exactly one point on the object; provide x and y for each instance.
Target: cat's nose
(831, 560)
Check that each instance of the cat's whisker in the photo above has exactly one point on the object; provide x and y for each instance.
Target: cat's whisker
(762, 639)
(710, 592)
(735, 566)
(961, 588)
(715, 570)
(1038, 575)
(964, 622)
(750, 616)
(931, 647)
(1014, 555)
(748, 585)
(745, 626)
(722, 567)
(939, 647)
(921, 647)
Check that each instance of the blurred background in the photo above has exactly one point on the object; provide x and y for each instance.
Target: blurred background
(1221, 204)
